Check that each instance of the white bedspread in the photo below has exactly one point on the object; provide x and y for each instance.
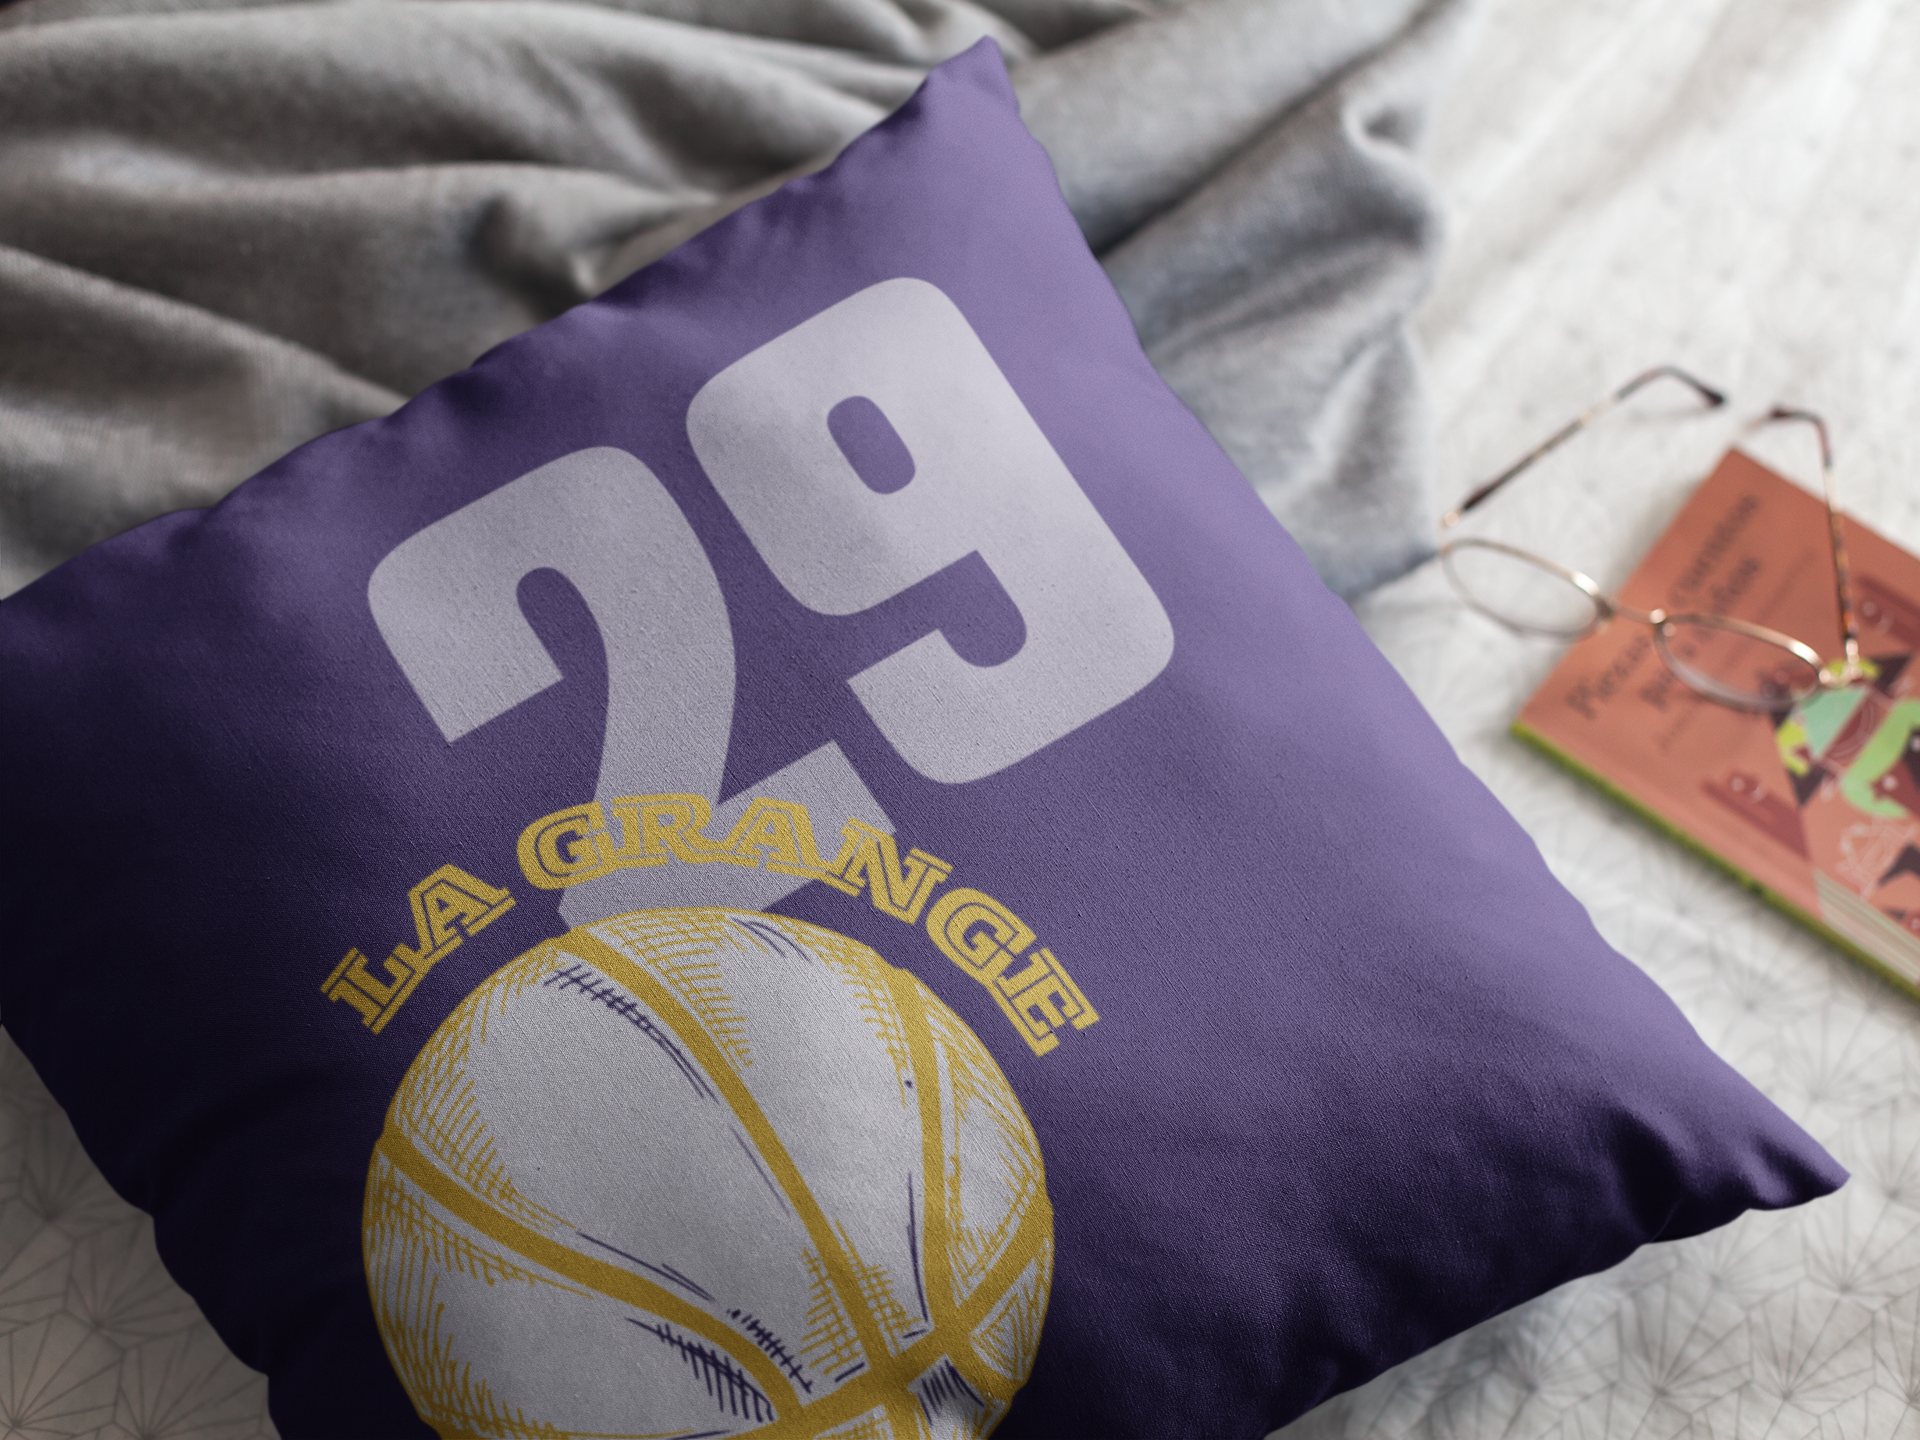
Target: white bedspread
(1734, 187)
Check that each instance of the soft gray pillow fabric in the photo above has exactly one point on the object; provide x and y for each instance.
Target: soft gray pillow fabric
(228, 227)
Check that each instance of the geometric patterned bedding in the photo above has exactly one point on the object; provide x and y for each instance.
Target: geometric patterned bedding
(1728, 184)
(95, 1338)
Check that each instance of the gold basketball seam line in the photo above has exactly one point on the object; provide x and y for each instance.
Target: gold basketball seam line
(733, 1089)
(887, 1387)
(889, 1370)
(1003, 1290)
(936, 1273)
(609, 1280)
(949, 1330)
(403, 1209)
(888, 1375)
(1008, 1267)
(993, 1286)
(955, 1322)
(454, 1122)
(995, 1240)
(456, 1390)
(950, 1318)
(870, 1390)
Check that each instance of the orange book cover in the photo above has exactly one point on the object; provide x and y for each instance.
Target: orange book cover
(1817, 807)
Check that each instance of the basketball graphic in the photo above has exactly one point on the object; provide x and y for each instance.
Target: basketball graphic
(705, 1172)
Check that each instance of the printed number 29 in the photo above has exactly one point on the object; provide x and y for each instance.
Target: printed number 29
(984, 479)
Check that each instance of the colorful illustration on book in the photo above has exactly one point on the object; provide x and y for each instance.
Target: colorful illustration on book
(1853, 766)
(1818, 803)
(713, 1172)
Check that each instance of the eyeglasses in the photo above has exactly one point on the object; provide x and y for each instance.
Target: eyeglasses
(1727, 660)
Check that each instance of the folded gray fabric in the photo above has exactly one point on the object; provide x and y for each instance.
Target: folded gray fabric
(227, 227)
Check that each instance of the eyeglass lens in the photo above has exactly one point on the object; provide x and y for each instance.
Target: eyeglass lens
(1528, 593)
(1733, 667)
(1520, 591)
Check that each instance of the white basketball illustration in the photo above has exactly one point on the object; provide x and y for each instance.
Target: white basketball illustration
(702, 1172)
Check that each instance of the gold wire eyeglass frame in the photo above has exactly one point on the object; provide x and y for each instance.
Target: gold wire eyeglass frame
(1841, 671)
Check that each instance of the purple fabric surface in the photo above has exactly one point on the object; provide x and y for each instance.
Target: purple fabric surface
(1364, 1073)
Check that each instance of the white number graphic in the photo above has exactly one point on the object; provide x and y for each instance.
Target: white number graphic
(984, 479)
(976, 475)
(446, 601)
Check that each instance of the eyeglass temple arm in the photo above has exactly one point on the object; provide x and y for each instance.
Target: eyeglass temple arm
(1713, 398)
(1842, 572)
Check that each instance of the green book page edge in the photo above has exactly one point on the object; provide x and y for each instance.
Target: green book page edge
(1534, 740)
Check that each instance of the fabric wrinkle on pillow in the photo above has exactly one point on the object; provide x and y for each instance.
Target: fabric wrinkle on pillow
(794, 852)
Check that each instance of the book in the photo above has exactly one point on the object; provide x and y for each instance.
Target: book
(1814, 806)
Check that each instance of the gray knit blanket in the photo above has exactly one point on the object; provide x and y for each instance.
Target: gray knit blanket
(229, 226)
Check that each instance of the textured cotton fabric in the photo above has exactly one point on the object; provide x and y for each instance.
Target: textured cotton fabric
(228, 228)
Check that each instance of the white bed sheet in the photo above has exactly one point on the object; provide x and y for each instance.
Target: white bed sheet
(1734, 187)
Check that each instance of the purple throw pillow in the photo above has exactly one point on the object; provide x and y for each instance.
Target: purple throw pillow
(794, 852)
